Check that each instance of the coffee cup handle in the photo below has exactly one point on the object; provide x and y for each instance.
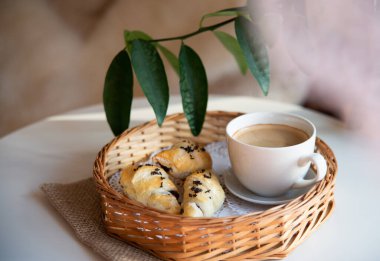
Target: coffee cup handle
(319, 162)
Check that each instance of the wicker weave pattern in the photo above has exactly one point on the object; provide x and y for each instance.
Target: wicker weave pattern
(270, 234)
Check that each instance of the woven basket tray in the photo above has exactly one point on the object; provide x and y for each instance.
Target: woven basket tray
(269, 234)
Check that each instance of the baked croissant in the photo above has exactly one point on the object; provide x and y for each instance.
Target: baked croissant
(203, 195)
(183, 158)
(151, 186)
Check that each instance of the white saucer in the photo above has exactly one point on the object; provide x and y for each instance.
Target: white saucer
(236, 188)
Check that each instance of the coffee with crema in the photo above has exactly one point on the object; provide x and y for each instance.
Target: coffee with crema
(271, 135)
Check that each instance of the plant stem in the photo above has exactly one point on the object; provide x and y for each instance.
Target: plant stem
(200, 30)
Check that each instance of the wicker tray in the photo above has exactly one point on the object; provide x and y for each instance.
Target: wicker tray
(269, 234)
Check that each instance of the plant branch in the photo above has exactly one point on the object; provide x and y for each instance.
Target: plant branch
(200, 30)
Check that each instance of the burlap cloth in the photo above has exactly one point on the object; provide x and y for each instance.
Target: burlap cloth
(79, 204)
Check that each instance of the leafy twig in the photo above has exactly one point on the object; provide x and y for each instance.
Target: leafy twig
(200, 30)
(141, 54)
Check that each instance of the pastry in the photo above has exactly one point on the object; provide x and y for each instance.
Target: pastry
(203, 195)
(151, 186)
(183, 158)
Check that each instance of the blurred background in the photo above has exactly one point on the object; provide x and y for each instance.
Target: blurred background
(324, 54)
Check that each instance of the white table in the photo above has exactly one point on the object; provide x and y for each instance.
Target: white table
(62, 149)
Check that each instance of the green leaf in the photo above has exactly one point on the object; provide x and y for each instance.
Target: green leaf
(232, 45)
(118, 93)
(172, 59)
(237, 11)
(194, 88)
(151, 75)
(129, 36)
(254, 51)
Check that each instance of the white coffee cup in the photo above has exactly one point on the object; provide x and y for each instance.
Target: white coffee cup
(272, 171)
